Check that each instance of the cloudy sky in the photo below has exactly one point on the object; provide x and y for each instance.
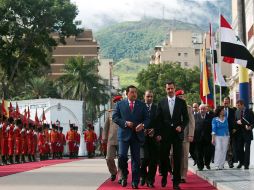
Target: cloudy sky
(95, 13)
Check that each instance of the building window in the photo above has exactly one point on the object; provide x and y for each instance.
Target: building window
(186, 64)
(185, 54)
(179, 54)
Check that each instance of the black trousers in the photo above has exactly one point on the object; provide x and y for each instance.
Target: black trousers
(243, 150)
(203, 154)
(177, 154)
(149, 160)
(192, 151)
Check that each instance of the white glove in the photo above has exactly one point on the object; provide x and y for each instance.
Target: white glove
(1, 126)
(8, 128)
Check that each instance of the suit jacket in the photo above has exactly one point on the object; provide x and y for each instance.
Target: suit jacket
(203, 128)
(190, 127)
(168, 123)
(138, 115)
(231, 119)
(110, 130)
(241, 130)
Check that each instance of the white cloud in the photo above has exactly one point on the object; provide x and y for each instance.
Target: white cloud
(94, 13)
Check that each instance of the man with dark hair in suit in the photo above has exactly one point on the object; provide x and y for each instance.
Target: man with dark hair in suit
(172, 116)
(149, 150)
(230, 115)
(131, 116)
(244, 136)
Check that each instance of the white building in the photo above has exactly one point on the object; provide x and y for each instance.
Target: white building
(65, 111)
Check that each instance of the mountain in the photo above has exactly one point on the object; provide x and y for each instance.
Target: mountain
(136, 40)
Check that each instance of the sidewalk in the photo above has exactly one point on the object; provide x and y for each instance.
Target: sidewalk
(227, 179)
(85, 174)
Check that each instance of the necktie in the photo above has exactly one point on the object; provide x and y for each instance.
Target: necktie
(131, 105)
(171, 106)
(226, 112)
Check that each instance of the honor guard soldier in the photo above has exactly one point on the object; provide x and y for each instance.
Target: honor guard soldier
(70, 138)
(10, 139)
(54, 136)
(90, 139)
(62, 142)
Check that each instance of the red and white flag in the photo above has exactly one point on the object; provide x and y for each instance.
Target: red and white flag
(232, 48)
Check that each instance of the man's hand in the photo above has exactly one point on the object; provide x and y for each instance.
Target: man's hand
(129, 124)
(213, 140)
(190, 139)
(158, 138)
(140, 127)
(150, 132)
(248, 127)
(239, 122)
(179, 129)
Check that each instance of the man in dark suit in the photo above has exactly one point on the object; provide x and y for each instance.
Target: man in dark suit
(172, 116)
(230, 115)
(243, 131)
(149, 151)
(132, 117)
(203, 137)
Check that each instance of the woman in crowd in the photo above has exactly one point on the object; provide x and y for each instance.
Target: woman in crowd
(220, 137)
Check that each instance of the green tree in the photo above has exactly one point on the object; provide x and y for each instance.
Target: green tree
(38, 87)
(26, 28)
(82, 82)
(155, 77)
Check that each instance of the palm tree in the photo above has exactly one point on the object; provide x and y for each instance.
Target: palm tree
(38, 87)
(81, 81)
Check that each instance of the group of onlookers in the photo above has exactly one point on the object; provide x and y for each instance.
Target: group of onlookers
(224, 134)
(162, 136)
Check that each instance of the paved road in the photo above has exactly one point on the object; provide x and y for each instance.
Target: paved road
(85, 174)
(227, 179)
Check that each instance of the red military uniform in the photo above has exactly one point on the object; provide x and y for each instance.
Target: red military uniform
(23, 144)
(61, 141)
(41, 143)
(30, 142)
(54, 138)
(4, 143)
(77, 142)
(34, 148)
(17, 137)
(70, 138)
(11, 143)
(47, 141)
(90, 138)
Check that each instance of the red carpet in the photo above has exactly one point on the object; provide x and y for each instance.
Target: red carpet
(17, 168)
(193, 183)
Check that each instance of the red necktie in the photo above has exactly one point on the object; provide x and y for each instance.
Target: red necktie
(131, 105)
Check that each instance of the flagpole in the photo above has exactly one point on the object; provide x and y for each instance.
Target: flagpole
(220, 95)
(212, 65)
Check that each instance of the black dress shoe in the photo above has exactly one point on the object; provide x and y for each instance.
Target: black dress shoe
(231, 165)
(134, 186)
(113, 177)
(120, 181)
(176, 187)
(183, 181)
(124, 183)
(150, 185)
(164, 181)
(246, 167)
(239, 166)
(142, 182)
